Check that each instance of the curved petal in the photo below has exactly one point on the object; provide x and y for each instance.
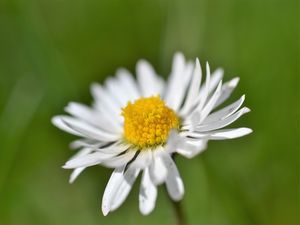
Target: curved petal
(193, 89)
(190, 149)
(92, 117)
(147, 194)
(222, 123)
(225, 112)
(175, 79)
(86, 160)
(147, 79)
(131, 85)
(119, 160)
(157, 170)
(118, 188)
(215, 79)
(143, 160)
(105, 102)
(222, 134)
(76, 172)
(227, 89)
(83, 129)
(174, 182)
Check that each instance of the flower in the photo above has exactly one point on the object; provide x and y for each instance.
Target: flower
(136, 126)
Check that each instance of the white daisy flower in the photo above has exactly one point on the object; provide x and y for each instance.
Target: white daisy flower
(136, 126)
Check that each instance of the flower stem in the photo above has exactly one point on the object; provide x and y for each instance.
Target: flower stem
(179, 213)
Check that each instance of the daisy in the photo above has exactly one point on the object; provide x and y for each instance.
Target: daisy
(135, 126)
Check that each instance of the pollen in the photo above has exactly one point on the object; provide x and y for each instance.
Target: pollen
(148, 121)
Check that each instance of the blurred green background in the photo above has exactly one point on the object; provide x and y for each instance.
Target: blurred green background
(50, 52)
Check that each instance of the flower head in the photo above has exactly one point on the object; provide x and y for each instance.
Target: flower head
(136, 126)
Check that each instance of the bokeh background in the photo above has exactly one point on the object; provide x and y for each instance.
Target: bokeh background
(50, 52)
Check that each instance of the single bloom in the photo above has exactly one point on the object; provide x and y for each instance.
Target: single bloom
(136, 126)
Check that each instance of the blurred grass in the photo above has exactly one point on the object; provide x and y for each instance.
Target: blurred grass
(50, 51)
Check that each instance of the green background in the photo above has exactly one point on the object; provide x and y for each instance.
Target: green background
(50, 52)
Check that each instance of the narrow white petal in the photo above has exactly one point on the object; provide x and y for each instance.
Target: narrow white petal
(111, 188)
(175, 79)
(225, 112)
(119, 160)
(161, 85)
(179, 90)
(113, 148)
(215, 78)
(190, 149)
(222, 134)
(172, 142)
(210, 104)
(58, 122)
(143, 160)
(126, 77)
(174, 182)
(80, 111)
(204, 94)
(76, 172)
(124, 188)
(193, 89)
(117, 90)
(148, 194)
(230, 133)
(105, 102)
(86, 160)
(158, 170)
(227, 89)
(222, 123)
(83, 129)
(147, 79)
(93, 117)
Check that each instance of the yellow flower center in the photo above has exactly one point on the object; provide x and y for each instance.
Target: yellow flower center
(148, 121)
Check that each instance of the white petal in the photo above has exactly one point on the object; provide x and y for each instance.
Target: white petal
(58, 122)
(190, 149)
(143, 160)
(216, 77)
(193, 89)
(230, 133)
(147, 79)
(222, 134)
(118, 188)
(225, 112)
(148, 194)
(172, 142)
(119, 160)
(105, 102)
(175, 79)
(130, 84)
(89, 115)
(222, 123)
(86, 160)
(76, 172)
(227, 89)
(117, 90)
(161, 85)
(194, 116)
(158, 170)
(210, 104)
(174, 182)
(83, 129)
(179, 91)
(114, 181)
(205, 92)
(113, 148)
